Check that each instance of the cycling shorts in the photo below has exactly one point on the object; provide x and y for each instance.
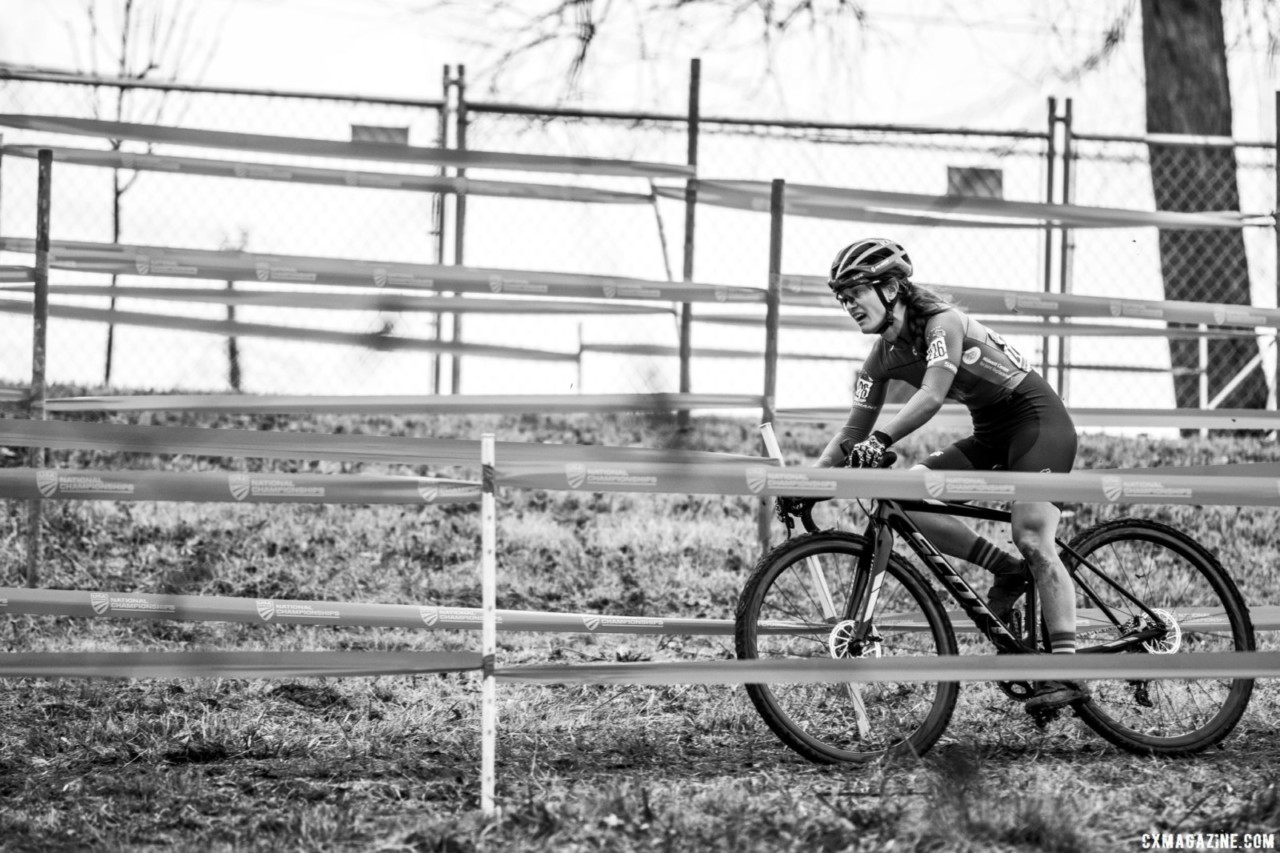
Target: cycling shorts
(1030, 430)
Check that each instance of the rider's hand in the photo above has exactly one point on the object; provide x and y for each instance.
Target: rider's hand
(869, 452)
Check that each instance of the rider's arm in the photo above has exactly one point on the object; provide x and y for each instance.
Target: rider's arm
(945, 336)
(869, 392)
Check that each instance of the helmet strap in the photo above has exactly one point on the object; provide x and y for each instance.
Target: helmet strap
(888, 304)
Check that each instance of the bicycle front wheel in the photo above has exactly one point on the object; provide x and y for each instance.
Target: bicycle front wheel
(797, 605)
(1201, 610)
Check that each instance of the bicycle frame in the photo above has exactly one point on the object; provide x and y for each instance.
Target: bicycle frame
(891, 518)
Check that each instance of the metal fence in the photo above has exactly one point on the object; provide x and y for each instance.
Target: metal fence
(644, 241)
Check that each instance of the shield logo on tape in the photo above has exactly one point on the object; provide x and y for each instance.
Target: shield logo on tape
(430, 616)
(263, 270)
(100, 602)
(47, 481)
(1116, 309)
(610, 290)
(1219, 316)
(1112, 488)
(380, 277)
(592, 622)
(576, 474)
(722, 294)
(428, 493)
(757, 477)
(266, 609)
(1010, 301)
(935, 483)
(495, 283)
(142, 263)
(240, 485)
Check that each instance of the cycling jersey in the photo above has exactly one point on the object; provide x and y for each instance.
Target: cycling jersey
(1020, 424)
(986, 368)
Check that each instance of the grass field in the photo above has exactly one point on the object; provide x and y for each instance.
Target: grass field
(393, 763)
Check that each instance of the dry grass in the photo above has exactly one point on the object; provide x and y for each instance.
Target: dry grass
(392, 763)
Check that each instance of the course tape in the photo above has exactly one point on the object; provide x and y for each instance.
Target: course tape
(1007, 327)
(240, 329)
(813, 291)
(79, 484)
(375, 301)
(329, 177)
(662, 350)
(897, 669)
(115, 438)
(14, 395)
(595, 469)
(949, 210)
(335, 664)
(400, 405)
(954, 416)
(279, 664)
(209, 608)
(168, 262)
(11, 274)
(382, 151)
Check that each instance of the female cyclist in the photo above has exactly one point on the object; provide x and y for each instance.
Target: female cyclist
(1019, 424)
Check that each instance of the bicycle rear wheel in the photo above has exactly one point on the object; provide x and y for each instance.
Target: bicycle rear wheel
(1204, 612)
(781, 616)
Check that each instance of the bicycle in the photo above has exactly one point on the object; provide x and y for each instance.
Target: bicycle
(1142, 587)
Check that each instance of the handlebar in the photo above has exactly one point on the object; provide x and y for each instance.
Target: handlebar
(802, 508)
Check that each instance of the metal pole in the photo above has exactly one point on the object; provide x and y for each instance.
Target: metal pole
(460, 219)
(1068, 247)
(690, 207)
(773, 300)
(437, 212)
(1274, 395)
(40, 329)
(1050, 158)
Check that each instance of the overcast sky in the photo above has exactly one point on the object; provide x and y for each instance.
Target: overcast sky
(981, 64)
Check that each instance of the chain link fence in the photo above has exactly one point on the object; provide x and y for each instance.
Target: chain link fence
(637, 240)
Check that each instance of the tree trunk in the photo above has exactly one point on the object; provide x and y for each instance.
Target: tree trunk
(1185, 58)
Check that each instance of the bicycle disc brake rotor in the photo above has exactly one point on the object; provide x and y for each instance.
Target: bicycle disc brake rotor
(1172, 639)
(844, 643)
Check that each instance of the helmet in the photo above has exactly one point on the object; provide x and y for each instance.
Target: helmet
(870, 261)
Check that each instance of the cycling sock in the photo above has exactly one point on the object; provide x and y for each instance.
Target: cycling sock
(1063, 642)
(993, 558)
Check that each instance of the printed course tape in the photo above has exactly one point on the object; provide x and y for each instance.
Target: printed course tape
(957, 417)
(1005, 327)
(117, 259)
(896, 669)
(74, 484)
(949, 210)
(374, 301)
(591, 469)
(231, 664)
(208, 608)
(241, 329)
(328, 177)
(386, 152)
(398, 404)
(812, 291)
(65, 435)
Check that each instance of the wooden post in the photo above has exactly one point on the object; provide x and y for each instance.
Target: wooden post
(40, 329)
(773, 300)
(690, 206)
